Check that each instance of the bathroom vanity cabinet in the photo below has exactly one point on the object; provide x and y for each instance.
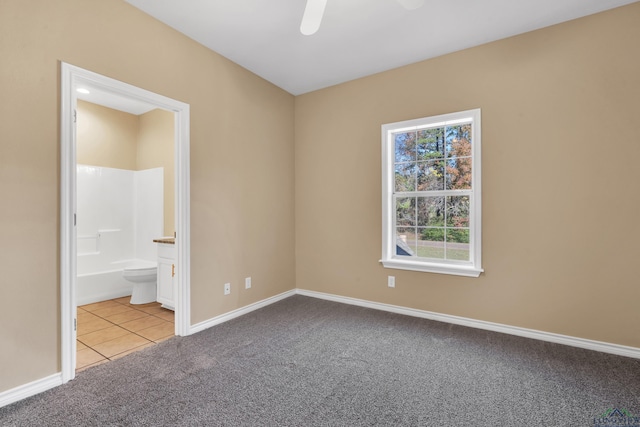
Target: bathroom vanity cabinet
(166, 273)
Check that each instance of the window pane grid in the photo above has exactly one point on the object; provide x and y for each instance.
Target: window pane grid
(430, 217)
(433, 158)
(449, 174)
(432, 193)
(445, 242)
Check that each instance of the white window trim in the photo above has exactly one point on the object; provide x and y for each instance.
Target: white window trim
(389, 258)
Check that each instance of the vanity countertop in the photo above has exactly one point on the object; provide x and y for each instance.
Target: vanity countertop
(165, 240)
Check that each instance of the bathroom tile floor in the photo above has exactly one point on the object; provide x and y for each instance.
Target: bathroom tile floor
(111, 329)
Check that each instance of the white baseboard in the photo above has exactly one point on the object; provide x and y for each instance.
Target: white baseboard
(238, 312)
(600, 346)
(30, 389)
(38, 386)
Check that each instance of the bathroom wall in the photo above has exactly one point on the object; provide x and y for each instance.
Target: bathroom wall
(106, 137)
(155, 148)
(112, 138)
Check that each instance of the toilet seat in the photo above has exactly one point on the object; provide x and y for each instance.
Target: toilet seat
(140, 269)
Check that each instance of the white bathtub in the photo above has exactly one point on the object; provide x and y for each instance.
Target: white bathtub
(104, 285)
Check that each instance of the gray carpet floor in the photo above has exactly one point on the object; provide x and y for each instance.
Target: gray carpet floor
(309, 362)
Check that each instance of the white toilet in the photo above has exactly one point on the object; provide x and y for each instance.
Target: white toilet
(144, 275)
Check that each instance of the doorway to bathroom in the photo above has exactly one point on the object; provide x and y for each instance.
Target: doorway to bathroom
(115, 95)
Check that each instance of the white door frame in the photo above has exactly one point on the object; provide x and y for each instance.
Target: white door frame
(71, 77)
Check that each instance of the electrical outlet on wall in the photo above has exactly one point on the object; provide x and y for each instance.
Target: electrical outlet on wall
(391, 281)
(247, 283)
(227, 288)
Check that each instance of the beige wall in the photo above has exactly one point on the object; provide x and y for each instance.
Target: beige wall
(560, 167)
(106, 137)
(241, 188)
(155, 148)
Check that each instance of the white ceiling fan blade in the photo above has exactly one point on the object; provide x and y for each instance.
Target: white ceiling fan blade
(411, 4)
(312, 16)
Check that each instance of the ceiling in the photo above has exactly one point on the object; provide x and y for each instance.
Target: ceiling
(357, 37)
(97, 95)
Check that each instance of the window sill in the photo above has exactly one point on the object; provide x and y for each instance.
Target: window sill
(426, 267)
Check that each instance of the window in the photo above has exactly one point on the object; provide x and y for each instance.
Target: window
(431, 194)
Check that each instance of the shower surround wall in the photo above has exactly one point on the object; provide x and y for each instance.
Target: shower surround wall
(119, 213)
